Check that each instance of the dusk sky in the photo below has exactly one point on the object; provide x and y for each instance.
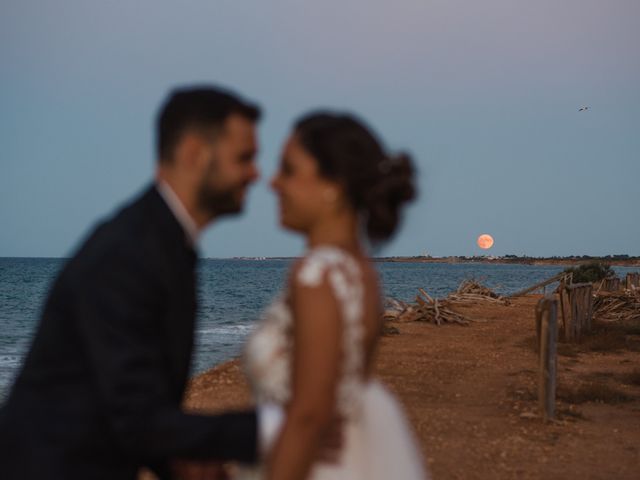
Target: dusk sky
(484, 95)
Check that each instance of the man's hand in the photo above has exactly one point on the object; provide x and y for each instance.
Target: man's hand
(199, 470)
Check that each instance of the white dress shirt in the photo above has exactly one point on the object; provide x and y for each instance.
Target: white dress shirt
(179, 211)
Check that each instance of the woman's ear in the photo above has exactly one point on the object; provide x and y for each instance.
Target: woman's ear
(330, 194)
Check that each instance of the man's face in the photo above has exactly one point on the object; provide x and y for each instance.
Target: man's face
(231, 169)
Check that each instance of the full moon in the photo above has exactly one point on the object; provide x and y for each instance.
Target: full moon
(485, 241)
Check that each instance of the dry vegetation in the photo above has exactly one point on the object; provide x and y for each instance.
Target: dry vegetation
(615, 306)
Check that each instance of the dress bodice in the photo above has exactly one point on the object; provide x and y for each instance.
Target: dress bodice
(268, 352)
(378, 442)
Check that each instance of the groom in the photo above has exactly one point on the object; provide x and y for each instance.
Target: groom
(99, 393)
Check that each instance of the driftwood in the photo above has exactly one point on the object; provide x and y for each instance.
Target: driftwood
(473, 298)
(475, 288)
(471, 291)
(397, 310)
(393, 308)
(547, 334)
(425, 309)
(615, 306)
(437, 311)
(426, 295)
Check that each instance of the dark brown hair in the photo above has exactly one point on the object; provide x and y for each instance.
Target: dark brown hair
(377, 184)
(200, 107)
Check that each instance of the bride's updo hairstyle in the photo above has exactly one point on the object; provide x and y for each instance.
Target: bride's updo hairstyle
(377, 184)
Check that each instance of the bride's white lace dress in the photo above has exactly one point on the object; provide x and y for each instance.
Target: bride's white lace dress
(379, 443)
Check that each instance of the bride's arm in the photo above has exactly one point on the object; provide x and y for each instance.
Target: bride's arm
(316, 366)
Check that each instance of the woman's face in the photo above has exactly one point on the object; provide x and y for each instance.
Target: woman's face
(304, 196)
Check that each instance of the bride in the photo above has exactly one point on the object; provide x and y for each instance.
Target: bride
(311, 356)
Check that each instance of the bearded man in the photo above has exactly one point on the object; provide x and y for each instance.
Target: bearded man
(99, 394)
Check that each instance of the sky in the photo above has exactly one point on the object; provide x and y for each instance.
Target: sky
(483, 94)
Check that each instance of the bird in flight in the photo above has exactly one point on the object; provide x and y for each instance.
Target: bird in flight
(583, 109)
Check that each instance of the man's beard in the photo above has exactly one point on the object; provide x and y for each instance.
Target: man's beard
(220, 202)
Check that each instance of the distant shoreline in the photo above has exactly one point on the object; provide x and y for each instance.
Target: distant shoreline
(616, 261)
(613, 260)
(631, 262)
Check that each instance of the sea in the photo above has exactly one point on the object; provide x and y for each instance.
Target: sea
(231, 295)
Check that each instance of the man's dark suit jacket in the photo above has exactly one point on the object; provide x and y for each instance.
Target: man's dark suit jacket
(100, 391)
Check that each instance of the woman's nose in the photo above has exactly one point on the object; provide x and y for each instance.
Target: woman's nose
(274, 183)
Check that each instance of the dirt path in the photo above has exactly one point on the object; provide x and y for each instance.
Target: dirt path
(471, 394)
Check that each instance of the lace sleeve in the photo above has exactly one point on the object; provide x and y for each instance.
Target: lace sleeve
(345, 280)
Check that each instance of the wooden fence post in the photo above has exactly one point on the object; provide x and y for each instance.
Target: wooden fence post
(588, 305)
(581, 311)
(565, 312)
(547, 334)
(611, 284)
(633, 280)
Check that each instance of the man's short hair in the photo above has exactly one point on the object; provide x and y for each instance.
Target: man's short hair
(196, 108)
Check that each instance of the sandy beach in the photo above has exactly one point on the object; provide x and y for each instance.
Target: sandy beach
(471, 395)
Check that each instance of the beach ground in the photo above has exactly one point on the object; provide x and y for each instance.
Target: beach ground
(470, 393)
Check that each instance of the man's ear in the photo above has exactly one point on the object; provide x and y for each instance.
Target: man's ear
(190, 151)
